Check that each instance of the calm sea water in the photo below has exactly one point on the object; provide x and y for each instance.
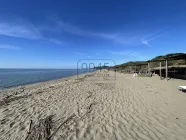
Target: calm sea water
(16, 77)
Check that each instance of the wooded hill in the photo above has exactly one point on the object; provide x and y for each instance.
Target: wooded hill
(143, 64)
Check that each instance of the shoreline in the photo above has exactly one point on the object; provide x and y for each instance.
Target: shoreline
(40, 82)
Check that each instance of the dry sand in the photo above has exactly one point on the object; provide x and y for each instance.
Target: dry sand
(128, 108)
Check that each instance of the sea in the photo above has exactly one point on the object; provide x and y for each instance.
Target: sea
(17, 77)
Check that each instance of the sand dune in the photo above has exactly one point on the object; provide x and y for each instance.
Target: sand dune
(98, 108)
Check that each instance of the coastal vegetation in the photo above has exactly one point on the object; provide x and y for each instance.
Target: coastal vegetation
(154, 62)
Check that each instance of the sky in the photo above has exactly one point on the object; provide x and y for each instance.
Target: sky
(57, 34)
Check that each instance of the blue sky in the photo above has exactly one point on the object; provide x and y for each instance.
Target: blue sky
(56, 34)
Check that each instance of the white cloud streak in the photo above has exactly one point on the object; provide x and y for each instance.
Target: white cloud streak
(123, 39)
(119, 52)
(9, 47)
(78, 53)
(74, 30)
(56, 41)
(146, 39)
(23, 29)
(146, 42)
(116, 37)
(19, 29)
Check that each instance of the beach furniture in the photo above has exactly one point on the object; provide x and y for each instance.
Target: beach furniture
(135, 75)
(182, 88)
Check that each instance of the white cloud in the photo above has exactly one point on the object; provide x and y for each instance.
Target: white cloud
(9, 47)
(121, 38)
(19, 29)
(129, 54)
(78, 53)
(56, 41)
(126, 39)
(116, 37)
(146, 42)
(73, 29)
(146, 39)
(120, 52)
(22, 29)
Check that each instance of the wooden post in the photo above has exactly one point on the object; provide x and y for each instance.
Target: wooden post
(185, 68)
(166, 67)
(148, 67)
(160, 70)
(130, 69)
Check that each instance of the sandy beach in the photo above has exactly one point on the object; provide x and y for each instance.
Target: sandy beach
(89, 107)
